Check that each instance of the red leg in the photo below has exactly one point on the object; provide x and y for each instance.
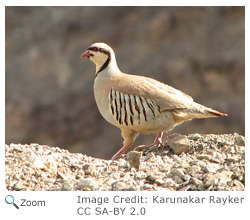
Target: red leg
(158, 140)
(120, 152)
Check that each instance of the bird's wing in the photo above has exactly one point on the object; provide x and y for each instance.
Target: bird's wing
(164, 96)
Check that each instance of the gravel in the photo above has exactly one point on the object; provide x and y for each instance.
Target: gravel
(212, 163)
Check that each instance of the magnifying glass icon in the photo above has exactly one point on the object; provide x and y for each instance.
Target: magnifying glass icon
(10, 200)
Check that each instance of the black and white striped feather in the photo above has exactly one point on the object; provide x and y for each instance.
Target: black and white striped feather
(131, 109)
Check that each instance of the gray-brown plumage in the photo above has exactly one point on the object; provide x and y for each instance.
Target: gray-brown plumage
(138, 104)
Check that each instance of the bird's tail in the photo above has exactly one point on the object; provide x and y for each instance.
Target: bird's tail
(205, 112)
(195, 111)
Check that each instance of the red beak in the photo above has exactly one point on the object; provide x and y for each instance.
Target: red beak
(86, 54)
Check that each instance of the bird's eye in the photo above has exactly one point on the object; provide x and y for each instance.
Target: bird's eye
(96, 49)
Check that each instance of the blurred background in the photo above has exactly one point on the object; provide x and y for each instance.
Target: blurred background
(49, 88)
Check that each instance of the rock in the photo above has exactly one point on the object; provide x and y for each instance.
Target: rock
(159, 181)
(231, 150)
(50, 166)
(165, 168)
(134, 158)
(195, 136)
(80, 174)
(211, 167)
(16, 148)
(18, 186)
(178, 172)
(177, 179)
(239, 140)
(131, 188)
(169, 183)
(195, 169)
(50, 181)
(201, 164)
(177, 159)
(185, 188)
(66, 187)
(151, 178)
(17, 176)
(118, 186)
(238, 185)
(200, 147)
(186, 177)
(88, 184)
(89, 169)
(141, 175)
(196, 181)
(146, 187)
(36, 161)
(61, 175)
(204, 156)
(123, 163)
(148, 156)
(178, 143)
(223, 176)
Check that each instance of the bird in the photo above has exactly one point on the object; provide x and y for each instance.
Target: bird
(138, 104)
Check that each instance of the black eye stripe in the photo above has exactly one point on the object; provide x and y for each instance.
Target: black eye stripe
(95, 49)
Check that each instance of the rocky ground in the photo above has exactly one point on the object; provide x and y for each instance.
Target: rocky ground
(194, 162)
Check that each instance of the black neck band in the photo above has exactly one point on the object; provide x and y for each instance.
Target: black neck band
(104, 66)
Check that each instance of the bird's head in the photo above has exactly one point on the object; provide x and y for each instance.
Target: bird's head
(101, 54)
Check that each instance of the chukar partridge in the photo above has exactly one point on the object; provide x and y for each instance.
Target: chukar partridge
(138, 104)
